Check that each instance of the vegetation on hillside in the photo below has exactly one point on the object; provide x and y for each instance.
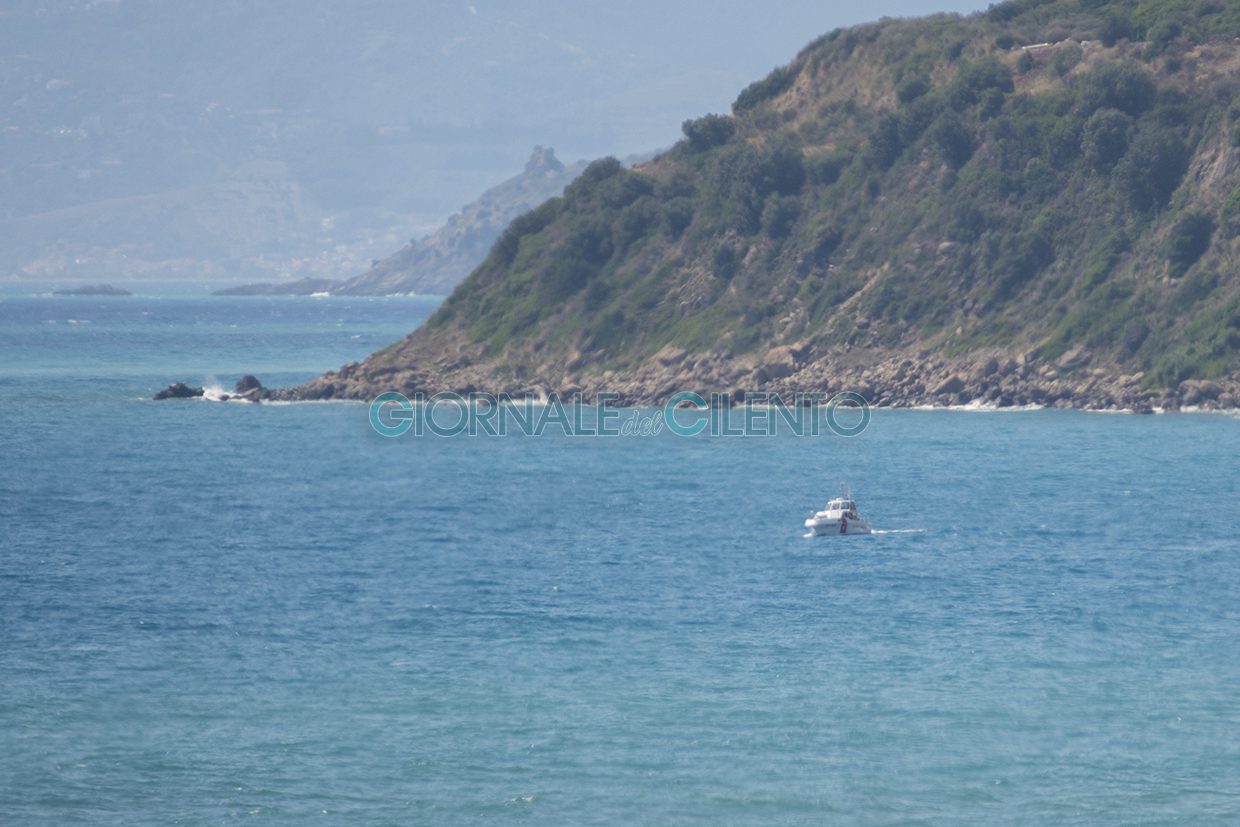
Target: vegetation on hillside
(1044, 175)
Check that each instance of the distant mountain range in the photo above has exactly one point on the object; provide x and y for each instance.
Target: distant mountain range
(438, 263)
(441, 261)
(1035, 204)
(225, 141)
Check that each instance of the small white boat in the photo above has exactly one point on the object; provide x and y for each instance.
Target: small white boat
(839, 517)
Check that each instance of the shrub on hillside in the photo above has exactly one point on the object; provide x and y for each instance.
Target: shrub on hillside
(597, 172)
(885, 144)
(1066, 58)
(505, 249)
(1231, 213)
(780, 213)
(772, 86)
(610, 186)
(1104, 138)
(825, 170)
(1117, 26)
(1123, 86)
(975, 78)
(1188, 241)
(677, 215)
(744, 175)
(726, 262)
(953, 139)
(1151, 170)
(912, 88)
(708, 131)
(635, 222)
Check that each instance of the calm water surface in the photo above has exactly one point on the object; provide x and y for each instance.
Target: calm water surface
(212, 612)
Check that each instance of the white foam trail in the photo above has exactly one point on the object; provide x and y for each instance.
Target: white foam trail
(899, 531)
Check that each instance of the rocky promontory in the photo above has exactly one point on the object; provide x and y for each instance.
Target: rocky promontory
(1034, 205)
(1016, 207)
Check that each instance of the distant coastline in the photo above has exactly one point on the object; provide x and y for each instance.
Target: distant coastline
(300, 287)
(92, 290)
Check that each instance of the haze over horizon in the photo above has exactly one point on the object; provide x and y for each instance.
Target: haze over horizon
(235, 137)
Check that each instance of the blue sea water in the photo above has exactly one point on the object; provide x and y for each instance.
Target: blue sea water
(220, 612)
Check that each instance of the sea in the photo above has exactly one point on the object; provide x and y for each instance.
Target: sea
(214, 613)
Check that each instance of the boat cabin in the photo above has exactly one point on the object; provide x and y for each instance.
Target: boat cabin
(843, 506)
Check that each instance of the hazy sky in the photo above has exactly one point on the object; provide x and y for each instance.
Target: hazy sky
(372, 117)
(659, 62)
(449, 85)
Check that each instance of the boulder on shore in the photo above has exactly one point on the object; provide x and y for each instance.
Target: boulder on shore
(950, 385)
(779, 362)
(179, 390)
(1194, 392)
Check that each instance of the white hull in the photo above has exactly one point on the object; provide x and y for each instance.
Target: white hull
(820, 526)
(839, 517)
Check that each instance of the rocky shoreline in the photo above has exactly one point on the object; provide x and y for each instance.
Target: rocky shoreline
(895, 381)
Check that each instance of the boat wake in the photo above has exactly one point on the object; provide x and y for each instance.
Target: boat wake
(809, 534)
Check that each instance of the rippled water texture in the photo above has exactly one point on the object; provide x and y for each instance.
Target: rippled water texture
(211, 611)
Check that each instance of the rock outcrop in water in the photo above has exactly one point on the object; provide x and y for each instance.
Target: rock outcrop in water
(246, 384)
(247, 388)
(180, 390)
